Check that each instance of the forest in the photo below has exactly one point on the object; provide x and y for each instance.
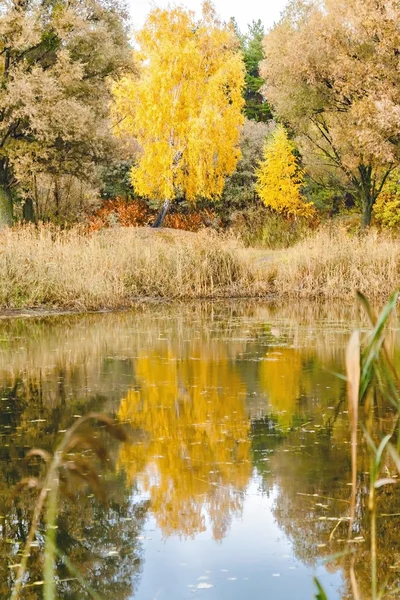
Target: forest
(249, 131)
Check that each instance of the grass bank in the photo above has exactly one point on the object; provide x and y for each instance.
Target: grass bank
(331, 265)
(74, 270)
(113, 268)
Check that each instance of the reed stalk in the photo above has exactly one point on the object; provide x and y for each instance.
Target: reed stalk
(47, 503)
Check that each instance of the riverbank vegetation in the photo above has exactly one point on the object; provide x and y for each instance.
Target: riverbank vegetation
(116, 268)
(332, 264)
(113, 268)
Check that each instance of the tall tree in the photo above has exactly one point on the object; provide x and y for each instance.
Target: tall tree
(279, 177)
(185, 106)
(256, 107)
(55, 59)
(332, 72)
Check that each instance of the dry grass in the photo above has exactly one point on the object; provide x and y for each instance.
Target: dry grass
(113, 268)
(47, 267)
(332, 265)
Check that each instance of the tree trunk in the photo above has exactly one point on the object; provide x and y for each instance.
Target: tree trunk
(162, 214)
(367, 195)
(6, 206)
(56, 196)
(366, 212)
(28, 211)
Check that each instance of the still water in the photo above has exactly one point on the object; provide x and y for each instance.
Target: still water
(237, 483)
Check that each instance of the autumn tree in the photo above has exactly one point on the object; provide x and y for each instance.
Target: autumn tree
(239, 190)
(387, 207)
(55, 59)
(185, 106)
(332, 72)
(279, 177)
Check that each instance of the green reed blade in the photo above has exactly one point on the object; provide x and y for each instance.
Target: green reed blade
(320, 595)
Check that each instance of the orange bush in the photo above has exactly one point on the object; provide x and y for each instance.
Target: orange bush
(192, 221)
(136, 213)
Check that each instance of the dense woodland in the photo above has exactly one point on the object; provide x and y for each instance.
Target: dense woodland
(266, 133)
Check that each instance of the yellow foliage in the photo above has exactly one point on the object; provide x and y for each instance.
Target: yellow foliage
(185, 106)
(387, 206)
(279, 178)
(331, 73)
(196, 461)
(280, 376)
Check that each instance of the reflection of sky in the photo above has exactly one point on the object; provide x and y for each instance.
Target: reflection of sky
(255, 560)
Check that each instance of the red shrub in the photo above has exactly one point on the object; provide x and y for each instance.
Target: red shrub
(119, 211)
(136, 213)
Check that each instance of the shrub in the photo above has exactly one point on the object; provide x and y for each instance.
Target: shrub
(387, 206)
(137, 213)
(260, 226)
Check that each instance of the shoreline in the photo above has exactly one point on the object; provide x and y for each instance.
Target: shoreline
(43, 312)
(51, 272)
(270, 300)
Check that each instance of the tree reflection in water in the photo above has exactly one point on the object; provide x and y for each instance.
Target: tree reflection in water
(197, 462)
(99, 539)
(227, 394)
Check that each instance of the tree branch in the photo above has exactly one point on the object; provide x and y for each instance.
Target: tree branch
(384, 179)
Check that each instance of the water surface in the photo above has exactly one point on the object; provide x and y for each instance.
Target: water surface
(237, 484)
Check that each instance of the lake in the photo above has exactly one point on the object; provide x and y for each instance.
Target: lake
(236, 481)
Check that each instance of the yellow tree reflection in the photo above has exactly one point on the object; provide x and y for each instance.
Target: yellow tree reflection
(196, 464)
(280, 377)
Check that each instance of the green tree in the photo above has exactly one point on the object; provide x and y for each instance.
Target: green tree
(387, 207)
(55, 60)
(256, 107)
(332, 72)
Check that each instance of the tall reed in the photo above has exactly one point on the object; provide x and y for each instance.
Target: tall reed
(76, 270)
(113, 268)
(372, 380)
(331, 264)
(67, 457)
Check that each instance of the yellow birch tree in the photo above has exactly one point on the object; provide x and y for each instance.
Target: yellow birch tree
(279, 177)
(185, 107)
